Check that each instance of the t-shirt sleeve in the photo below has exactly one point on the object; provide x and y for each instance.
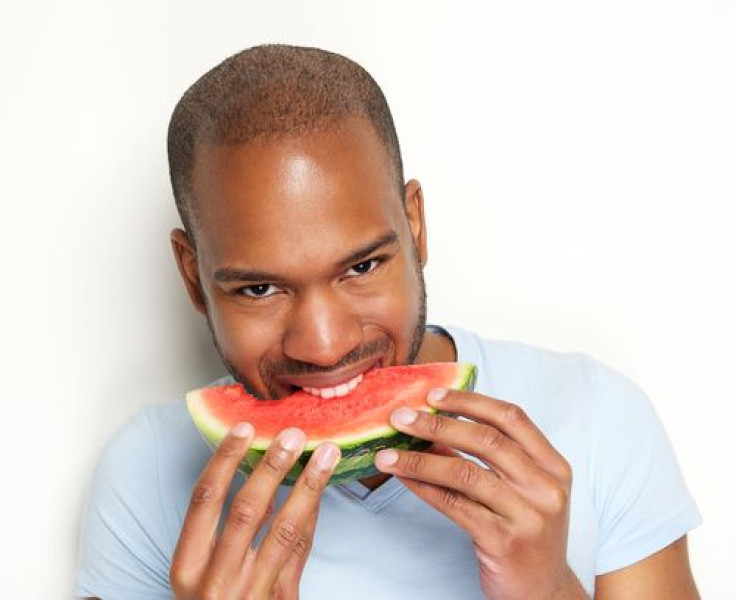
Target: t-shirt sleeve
(124, 546)
(641, 498)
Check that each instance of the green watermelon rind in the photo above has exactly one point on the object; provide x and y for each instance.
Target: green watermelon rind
(357, 453)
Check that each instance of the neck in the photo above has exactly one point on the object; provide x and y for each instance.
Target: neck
(436, 347)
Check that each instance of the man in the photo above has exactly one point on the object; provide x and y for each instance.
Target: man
(304, 249)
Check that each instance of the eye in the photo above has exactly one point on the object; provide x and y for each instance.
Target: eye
(363, 267)
(262, 290)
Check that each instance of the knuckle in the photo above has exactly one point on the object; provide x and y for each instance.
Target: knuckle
(514, 414)
(243, 512)
(180, 579)
(303, 547)
(274, 463)
(467, 474)
(435, 424)
(204, 493)
(450, 498)
(558, 499)
(491, 438)
(414, 462)
(286, 534)
(566, 472)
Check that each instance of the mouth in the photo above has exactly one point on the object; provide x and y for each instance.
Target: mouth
(335, 391)
(334, 384)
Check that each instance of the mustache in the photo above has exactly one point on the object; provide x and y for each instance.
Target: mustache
(288, 367)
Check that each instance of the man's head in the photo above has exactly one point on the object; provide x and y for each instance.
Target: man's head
(303, 249)
(272, 92)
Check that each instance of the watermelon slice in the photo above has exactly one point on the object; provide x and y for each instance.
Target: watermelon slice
(358, 422)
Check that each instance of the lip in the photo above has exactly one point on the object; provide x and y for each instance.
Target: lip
(331, 379)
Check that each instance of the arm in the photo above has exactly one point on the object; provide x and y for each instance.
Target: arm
(665, 574)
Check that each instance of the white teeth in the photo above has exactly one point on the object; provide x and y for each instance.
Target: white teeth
(342, 389)
(353, 383)
(337, 391)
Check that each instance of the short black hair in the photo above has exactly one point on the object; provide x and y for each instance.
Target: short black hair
(270, 92)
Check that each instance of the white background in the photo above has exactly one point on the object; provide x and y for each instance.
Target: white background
(578, 161)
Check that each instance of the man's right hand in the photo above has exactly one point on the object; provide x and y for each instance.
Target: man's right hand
(208, 566)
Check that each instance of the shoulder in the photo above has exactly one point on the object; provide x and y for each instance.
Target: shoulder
(159, 443)
(152, 462)
(138, 463)
(155, 434)
(573, 397)
(507, 364)
(548, 383)
(137, 501)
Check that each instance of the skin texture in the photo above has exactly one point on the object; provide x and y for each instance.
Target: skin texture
(665, 574)
(293, 216)
(308, 267)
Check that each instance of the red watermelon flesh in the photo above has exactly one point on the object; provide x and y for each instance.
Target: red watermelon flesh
(357, 422)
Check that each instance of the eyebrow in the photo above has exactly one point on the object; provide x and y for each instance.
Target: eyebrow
(228, 274)
(364, 251)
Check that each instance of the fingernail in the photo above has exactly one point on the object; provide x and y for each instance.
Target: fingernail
(326, 456)
(386, 458)
(292, 439)
(404, 416)
(436, 396)
(242, 430)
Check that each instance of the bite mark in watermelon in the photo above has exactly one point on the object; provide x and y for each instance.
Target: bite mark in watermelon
(358, 422)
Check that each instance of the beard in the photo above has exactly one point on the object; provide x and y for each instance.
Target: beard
(269, 370)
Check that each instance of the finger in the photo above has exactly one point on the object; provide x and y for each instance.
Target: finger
(197, 537)
(507, 418)
(290, 531)
(478, 439)
(456, 474)
(469, 515)
(250, 507)
(481, 440)
(441, 450)
(291, 574)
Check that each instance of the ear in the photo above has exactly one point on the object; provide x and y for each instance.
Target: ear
(414, 207)
(186, 259)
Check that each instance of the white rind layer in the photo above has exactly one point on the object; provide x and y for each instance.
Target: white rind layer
(215, 430)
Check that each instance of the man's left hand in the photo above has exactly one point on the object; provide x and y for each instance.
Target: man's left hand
(515, 506)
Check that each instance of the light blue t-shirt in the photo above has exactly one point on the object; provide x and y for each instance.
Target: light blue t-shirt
(628, 497)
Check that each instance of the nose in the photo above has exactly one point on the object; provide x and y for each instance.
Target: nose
(322, 328)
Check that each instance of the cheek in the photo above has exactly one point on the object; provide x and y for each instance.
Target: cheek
(397, 308)
(244, 338)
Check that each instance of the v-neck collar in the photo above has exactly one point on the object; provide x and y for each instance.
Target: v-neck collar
(373, 500)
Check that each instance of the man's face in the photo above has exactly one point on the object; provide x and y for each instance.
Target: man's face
(307, 261)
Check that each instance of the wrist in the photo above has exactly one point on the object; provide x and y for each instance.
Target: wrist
(570, 588)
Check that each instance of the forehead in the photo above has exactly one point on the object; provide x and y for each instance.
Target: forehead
(297, 198)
